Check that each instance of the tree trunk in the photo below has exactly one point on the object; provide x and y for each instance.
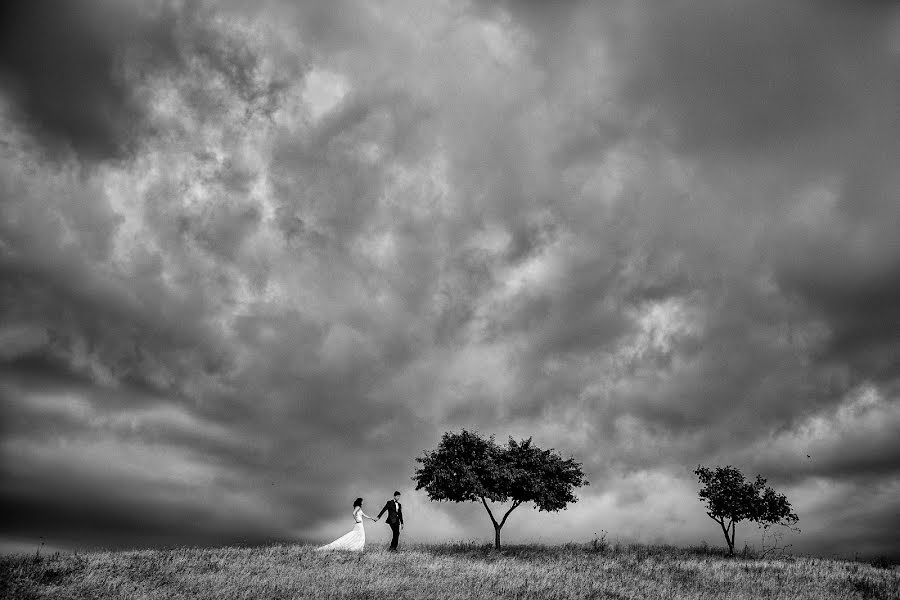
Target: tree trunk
(499, 526)
(726, 529)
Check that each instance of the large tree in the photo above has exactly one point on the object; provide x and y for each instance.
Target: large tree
(466, 467)
(731, 499)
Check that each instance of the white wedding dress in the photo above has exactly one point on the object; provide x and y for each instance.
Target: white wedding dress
(355, 540)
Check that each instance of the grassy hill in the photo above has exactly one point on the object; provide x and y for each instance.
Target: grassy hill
(441, 571)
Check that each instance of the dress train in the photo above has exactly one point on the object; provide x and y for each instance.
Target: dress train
(354, 540)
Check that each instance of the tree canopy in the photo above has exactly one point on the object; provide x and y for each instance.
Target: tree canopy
(466, 467)
(731, 499)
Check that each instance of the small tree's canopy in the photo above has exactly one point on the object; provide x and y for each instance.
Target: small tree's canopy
(464, 468)
(467, 467)
(729, 496)
(539, 476)
(731, 499)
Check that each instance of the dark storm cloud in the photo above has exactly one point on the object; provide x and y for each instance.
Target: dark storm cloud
(162, 463)
(159, 494)
(62, 65)
(330, 163)
(144, 334)
(810, 84)
(862, 517)
(126, 522)
(76, 73)
(762, 77)
(101, 330)
(648, 238)
(777, 239)
(849, 273)
(109, 505)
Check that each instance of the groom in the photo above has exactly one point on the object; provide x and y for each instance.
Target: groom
(394, 518)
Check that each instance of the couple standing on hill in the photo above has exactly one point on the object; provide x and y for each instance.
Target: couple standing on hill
(356, 538)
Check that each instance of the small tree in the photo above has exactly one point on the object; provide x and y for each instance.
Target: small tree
(731, 499)
(466, 467)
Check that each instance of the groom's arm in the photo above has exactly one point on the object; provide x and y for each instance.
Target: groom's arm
(383, 509)
(400, 514)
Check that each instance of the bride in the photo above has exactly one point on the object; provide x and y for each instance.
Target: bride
(356, 539)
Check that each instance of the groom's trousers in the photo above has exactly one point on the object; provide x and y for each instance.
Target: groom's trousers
(395, 528)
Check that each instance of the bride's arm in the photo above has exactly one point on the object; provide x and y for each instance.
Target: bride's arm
(365, 515)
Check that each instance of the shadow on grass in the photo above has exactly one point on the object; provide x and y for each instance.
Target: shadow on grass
(21, 575)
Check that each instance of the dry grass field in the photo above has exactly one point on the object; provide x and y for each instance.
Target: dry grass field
(442, 571)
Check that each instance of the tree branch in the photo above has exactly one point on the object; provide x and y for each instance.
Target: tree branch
(512, 508)
(488, 509)
(724, 527)
(721, 522)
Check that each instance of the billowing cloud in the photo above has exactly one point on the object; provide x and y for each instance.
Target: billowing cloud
(256, 259)
(65, 77)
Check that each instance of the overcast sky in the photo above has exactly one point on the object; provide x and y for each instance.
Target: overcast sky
(257, 257)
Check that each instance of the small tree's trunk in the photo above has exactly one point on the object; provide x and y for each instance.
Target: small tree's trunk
(726, 530)
(499, 526)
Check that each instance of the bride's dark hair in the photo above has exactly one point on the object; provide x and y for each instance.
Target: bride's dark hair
(357, 502)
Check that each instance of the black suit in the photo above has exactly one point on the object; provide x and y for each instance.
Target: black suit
(394, 519)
